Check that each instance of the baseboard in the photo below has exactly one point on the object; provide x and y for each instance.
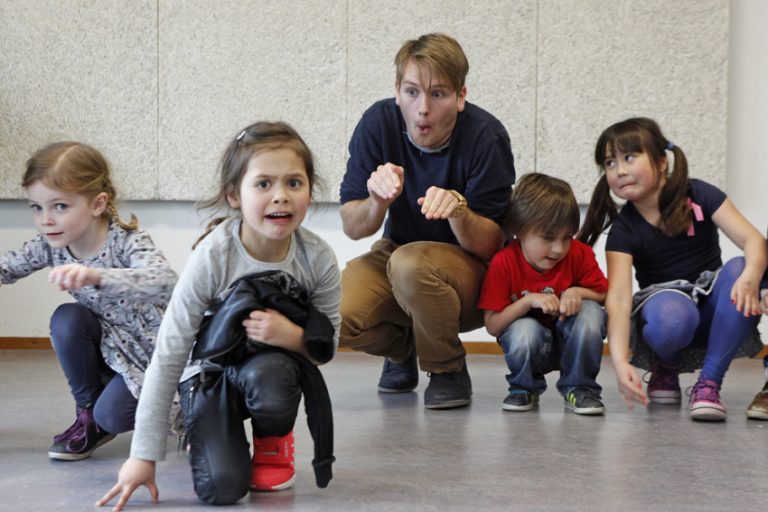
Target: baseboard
(472, 347)
(25, 343)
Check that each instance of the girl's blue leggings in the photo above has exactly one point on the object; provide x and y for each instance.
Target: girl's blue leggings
(672, 322)
(76, 338)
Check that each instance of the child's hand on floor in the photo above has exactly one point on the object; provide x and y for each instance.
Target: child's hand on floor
(134, 473)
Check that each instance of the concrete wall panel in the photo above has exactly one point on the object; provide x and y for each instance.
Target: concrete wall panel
(605, 60)
(161, 86)
(222, 69)
(83, 71)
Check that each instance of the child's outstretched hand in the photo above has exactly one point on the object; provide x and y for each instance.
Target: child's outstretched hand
(745, 295)
(134, 473)
(630, 385)
(74, 276)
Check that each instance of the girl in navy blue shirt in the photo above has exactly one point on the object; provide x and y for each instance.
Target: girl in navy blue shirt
(692, 311)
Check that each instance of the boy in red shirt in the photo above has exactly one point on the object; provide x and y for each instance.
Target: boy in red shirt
(542, 299)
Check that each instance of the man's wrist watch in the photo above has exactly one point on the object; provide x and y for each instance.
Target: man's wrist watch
(461, 208)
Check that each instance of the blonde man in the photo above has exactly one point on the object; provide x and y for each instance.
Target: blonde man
(436, 171)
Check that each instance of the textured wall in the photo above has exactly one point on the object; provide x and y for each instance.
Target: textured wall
(602, 61)
(85, 71)
(160, 86)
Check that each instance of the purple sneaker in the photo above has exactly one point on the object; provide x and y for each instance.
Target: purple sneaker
(704, 404)
(664, 384)
(80, 439)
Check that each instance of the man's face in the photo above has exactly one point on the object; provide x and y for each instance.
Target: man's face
(429, 106)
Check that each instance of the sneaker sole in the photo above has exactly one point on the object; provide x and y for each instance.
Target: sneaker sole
(453, 404)
(393, 391)
(80, 456)
(665, 401)
(665, 397)
(707, 413)
(757, 415)
(518, 408)
(280, 487)
(585, 411)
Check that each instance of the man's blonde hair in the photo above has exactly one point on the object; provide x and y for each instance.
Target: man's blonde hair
(440, 54)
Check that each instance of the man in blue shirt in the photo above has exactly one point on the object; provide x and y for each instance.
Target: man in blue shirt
(438, 170)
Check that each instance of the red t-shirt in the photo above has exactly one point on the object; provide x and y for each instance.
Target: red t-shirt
(510, 276)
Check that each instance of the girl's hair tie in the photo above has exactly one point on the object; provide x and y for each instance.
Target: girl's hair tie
(240, 137)
(670, 145)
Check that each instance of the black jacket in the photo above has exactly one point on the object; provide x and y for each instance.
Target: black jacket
(222, 340)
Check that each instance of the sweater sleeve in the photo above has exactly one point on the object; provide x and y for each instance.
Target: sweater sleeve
(147, 273)
(193, 294)
(33, 256)
(365, 155)
(489, 187)
(326, 296)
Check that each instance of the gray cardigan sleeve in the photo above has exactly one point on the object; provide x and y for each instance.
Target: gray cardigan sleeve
(193, 294)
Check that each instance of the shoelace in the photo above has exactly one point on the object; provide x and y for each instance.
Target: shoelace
(705, 390)
(77, 433)
(665, 378)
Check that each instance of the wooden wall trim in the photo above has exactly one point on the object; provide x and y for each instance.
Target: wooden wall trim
(25, 343)
(472, 347)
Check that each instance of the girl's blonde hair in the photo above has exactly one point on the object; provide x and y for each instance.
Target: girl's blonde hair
(78, 168)
(256, 138)
(639, 135)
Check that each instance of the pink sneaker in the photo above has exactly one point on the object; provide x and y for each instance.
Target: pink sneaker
(664, 384)
(272, 466)
(704, 404)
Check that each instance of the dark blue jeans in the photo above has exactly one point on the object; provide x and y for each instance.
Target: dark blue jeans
(266, 388)
(574, 345)
(76, 338)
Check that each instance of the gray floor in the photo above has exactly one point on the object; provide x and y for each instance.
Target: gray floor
(395, 455)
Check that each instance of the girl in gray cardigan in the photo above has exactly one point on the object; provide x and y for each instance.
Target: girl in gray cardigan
(267, 175)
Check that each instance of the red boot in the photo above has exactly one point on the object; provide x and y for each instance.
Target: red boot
(272, 467)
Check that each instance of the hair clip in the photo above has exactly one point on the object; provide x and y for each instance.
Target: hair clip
(240, 137)
(670, 145)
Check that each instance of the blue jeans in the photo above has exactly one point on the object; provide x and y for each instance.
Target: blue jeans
(574, 345)
(76, 338)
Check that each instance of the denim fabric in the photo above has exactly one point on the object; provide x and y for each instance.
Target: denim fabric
(574, 345)
(115, 409)
(76, 338)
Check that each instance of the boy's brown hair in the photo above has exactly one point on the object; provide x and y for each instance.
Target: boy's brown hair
(439, 53)
(542, 204)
